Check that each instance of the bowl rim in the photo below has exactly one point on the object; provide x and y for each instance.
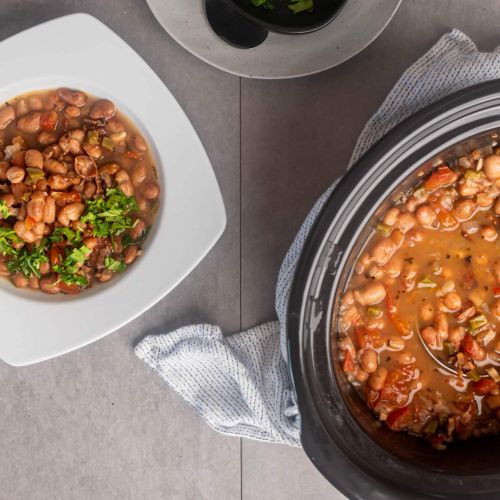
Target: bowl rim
(480, 107)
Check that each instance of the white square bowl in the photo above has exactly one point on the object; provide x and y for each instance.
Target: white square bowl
(36, 327)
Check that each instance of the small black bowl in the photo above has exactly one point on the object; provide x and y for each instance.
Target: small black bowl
(243, 25)
(282, 20)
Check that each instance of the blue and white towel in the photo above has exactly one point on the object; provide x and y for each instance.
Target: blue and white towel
(240, 384)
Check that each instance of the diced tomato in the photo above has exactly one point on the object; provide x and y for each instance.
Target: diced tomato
(397, 387)
(469, 345)
(496, 291)
(442, 176)
(401, 326)
(399, 419)
(483, 386)
(29, 222)
(348, 365)
(55, 254)
(48, 120)
(367, 337)
(71, 289)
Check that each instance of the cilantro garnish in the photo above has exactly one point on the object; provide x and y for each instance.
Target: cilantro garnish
(114, 265)
(265, 4)
(59, 232)
(4, 209)
(69, 268)
(297, 6)
(26, 262)
(7, 237)
(110, 215)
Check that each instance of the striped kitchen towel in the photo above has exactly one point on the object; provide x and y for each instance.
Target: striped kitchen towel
(240, 384)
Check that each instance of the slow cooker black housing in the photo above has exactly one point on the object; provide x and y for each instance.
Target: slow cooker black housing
(358, 455)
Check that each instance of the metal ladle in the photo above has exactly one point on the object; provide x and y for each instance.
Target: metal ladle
(439, 361)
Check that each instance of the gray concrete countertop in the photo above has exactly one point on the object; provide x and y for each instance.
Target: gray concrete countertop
(97, 423)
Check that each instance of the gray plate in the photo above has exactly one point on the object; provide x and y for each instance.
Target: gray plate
(280, 56)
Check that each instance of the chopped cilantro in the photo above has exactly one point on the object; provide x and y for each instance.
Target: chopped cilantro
(265, 4)
(110, 215)
(59, 232)
(28, 263)
(297, 6)
(68, 269)
(7, 237)
(117, 266)
(4, 209)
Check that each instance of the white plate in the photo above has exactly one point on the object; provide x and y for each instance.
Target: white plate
(280, 56)
(35, 326)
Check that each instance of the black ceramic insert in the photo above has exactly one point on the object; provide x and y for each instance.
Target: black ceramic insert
(357, 454)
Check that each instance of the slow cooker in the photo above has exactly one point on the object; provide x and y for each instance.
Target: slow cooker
(358, 455)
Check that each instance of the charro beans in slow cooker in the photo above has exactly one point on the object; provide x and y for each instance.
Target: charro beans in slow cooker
(78, 191)
(432, 265)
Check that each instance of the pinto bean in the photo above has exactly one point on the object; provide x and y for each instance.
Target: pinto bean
(383, 251)
(34, 283)
(150, 190)
(432, 338)
(377, 380)
(142, 203)
(30, 123)
(35, 206)
(93, 150)
(391, 216)
(371, 294)
(7, 115)
(19, 280)
(395, 343)
(104, 275)
(369, 360)
(90, 242)
(464, 209)
(138, 143)
(26, 235)
(139, 174)
(441, 325)
(127, 188)
(394, 267)
(456, 335)
(103, 109)
(405, 222)
(55, 167)
(406, 358)
(118, 137)
(33, 158)
(452, 301)
(360, 375)
(497, 207)
(122, 176)
(427, 312)
(426, 216)
(15, 174)
(89, 189)
(70, 212)
(72, 112)
(35, 102)
(491, 167)
(114, 126)
(130, 254)
(73, 97)
(50, 284)
(85, 167)
(22, 107)
(488, 233)
(138, 229)
(49, 210)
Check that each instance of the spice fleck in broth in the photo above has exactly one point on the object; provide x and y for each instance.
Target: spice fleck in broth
(78, 191)
(432, 266)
